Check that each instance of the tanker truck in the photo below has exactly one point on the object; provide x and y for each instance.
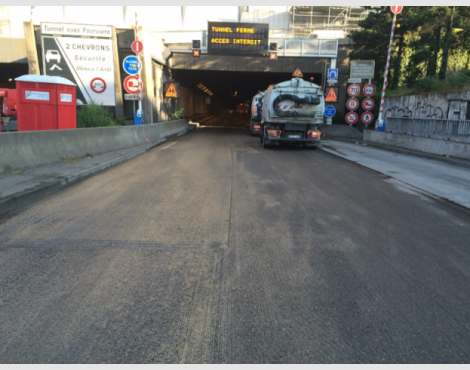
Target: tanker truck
(292, 113)
(256, 113)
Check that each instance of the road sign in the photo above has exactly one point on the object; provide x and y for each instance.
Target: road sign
(352, 104)
(137, 47)
(332, 81)
(273, 55)
(196, 53)
(351, 118)
(330, 111)
(171, 91)
(396, 9)
(363, 69)
(297, 73)
(133, 85)
(333, 73)
(354, 80)
(131, 97)
(369, 90)
(368, 104)
(132, 65)
(332, 96)
(98, 85)
(367, 117)
(354, 90)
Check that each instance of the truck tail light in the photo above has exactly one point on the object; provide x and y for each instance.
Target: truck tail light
(274, 133)
(313, 134)
(256, 127)
(255, 110)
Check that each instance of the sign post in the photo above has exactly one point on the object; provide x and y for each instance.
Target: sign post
(137, 47)
(395, 10)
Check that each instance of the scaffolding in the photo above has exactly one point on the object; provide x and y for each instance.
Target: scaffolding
(305, 20)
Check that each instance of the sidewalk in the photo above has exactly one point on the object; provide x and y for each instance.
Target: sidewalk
(19, 188)
(446, 178)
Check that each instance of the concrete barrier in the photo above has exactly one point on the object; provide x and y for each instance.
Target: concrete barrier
(35, 148)
(422, 144)
(341, 131)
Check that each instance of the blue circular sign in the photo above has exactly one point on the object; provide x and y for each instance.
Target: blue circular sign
(131, 65)
(330, 111)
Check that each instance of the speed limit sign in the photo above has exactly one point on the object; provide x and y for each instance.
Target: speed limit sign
(368, 104)
(352, 104)
(354, 90)
(351, 118)
(367, 117)
(369, 90)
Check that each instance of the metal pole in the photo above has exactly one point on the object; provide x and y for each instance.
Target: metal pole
(139, 95)
(31, 14)
(380, 120)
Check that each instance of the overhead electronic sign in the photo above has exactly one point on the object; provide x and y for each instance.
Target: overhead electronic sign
(237, 38)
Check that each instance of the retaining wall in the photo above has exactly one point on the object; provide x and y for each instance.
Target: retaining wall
(35, 148)
(422, 144)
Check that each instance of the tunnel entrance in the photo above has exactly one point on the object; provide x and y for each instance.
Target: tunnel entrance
(228, 88)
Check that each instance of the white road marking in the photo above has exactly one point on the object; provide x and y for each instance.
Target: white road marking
(173, 143)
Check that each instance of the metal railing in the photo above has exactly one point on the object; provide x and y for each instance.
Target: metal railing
(448, 129)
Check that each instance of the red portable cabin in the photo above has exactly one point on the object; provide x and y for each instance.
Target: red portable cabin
(45, 103)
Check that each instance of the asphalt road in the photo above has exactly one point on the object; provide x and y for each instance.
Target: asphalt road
(210, 249)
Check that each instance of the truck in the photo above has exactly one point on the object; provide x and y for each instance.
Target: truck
(292, 112)
(242, 110)
(256, 108)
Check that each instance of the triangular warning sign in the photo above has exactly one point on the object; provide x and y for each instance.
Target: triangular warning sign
(171, 91)
(297, 73)
(331, 97)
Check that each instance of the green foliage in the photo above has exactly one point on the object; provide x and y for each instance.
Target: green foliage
(94, 115)
(454, 82)
(429, 42)
(177, 114)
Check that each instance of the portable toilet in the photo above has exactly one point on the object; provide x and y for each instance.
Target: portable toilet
(45, 103)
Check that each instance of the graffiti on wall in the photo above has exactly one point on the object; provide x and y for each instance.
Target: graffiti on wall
(417, 111)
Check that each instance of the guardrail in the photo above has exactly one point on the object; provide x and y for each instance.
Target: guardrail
(457, 130)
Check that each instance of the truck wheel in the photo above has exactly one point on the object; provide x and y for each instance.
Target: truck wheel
(265, 145)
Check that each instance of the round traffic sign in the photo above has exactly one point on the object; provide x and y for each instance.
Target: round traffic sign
(98, 85)
(351, 118)
(354, 90)
(367, 117)
(396, 9)
(137, 47)
(133, 85)
(330, 111)
(369, 90)
(352, 104)
(368, 104)
(132, 65)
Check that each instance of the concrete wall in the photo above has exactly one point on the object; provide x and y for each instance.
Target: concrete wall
(35, 148)
(186, 101)
(446, 106)
(422, 144)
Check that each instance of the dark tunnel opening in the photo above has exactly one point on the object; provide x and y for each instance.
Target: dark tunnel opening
(232, 88)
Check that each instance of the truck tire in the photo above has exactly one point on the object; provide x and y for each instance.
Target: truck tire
(265, 145)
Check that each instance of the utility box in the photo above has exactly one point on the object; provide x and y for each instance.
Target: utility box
(45, 103)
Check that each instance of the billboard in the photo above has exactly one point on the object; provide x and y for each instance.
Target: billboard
(87, 62)
(237, 38)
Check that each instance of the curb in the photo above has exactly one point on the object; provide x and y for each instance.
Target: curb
(29, 196)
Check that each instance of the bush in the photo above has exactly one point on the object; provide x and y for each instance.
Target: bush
(427, 84)
(177, 114)
(94, 115)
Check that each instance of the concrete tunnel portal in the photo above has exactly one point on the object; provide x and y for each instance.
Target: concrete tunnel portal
(230, 88)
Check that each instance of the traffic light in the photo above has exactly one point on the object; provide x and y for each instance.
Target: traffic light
(273, 46)
(196, 44)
